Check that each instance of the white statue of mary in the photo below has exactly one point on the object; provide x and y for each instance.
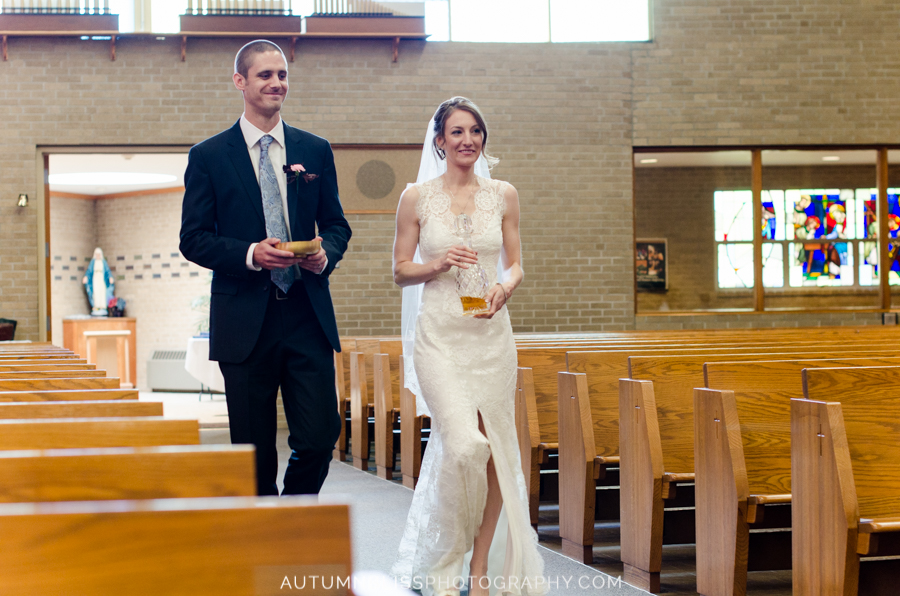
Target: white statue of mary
(99, 284)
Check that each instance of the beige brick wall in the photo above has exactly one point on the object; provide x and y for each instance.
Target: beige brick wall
(18, 263)
(724, 72)
(563, 120)
(559, 118)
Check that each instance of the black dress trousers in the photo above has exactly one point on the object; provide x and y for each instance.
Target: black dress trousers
(292, 352)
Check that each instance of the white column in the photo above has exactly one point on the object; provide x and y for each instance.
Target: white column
(142, 21)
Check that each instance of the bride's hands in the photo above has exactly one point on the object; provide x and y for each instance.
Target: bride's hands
(496, 298)
(457, 256)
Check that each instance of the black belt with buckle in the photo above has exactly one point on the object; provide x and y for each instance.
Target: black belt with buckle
(279, 294)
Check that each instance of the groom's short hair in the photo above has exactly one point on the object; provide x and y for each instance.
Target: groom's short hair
(245, 55)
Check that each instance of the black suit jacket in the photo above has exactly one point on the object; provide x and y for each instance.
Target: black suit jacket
(222, 215)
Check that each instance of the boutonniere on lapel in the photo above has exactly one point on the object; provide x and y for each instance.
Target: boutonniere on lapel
(296, 172)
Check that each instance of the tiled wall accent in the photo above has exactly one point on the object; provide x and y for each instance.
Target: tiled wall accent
(139, 238)
(677, 204)
(158, 284)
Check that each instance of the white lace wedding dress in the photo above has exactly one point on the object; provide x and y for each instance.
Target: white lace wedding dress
(465, 366)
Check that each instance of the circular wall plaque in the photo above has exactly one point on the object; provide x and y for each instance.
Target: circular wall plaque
(375, 179)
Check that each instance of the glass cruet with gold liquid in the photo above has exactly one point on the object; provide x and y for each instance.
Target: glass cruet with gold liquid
(471, 283)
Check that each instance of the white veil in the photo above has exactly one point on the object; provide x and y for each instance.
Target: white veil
(430, 167)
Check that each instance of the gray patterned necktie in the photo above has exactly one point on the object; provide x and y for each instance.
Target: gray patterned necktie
(273, 210)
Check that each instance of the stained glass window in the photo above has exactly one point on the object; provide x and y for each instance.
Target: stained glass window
(735, 265)
(734, 215)
(867, 230)
(811, 237)
(773, 265)
(773, 215)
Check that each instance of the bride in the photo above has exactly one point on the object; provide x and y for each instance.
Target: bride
(470, 500)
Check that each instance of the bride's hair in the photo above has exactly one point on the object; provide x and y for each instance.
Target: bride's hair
(440, 120)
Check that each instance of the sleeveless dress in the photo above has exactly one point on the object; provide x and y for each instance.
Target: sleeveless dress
(465, 366)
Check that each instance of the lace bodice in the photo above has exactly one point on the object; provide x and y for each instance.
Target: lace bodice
(437, 233)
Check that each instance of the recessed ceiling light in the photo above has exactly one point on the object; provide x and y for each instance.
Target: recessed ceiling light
(649, 160)
(110, 178)
(831, 158)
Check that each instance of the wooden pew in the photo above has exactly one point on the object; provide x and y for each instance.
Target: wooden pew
(845, 472)
(79, 409)
(603, 367)
(165, 472)
(52, 374)
(10, 358)
(71, 433)
(11, 349)
(67, 395)
(6, 344)
(362, 405)
(657, 455)
(386, 390)
(537, 408)
(58, 351)
(229, 546)
(742, 460)
(59, 384)
(75, 363)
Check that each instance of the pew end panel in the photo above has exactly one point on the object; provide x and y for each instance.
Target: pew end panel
(340, 387)
(577, 484)
(386, 416)
(640, 472)
(359, 411)
(825, 507)
(529, 437)
(721, 491)
(410, 433)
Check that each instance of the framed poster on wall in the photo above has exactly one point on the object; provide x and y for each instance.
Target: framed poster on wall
(371, 178)
(650, 261)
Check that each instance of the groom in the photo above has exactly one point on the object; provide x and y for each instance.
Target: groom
(271, 319)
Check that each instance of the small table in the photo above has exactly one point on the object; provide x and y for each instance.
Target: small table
(199, 366)
(79, 330)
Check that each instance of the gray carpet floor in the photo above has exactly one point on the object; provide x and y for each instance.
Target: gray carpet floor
(378, 515)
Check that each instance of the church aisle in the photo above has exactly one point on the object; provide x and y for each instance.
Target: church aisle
(378, 514)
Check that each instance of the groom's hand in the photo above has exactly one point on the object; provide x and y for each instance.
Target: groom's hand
(315, 263)
(265, 255)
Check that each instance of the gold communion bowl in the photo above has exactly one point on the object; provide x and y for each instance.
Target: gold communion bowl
(301, 249)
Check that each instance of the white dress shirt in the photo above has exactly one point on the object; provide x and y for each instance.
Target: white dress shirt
(278, 158)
